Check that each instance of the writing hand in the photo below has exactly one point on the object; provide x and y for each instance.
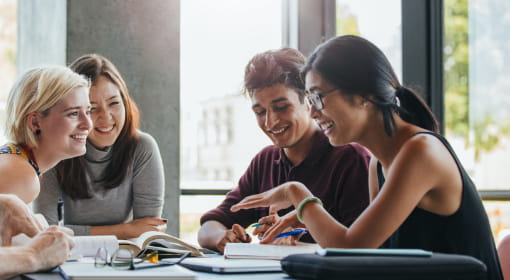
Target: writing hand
(235, 235)
(285, 223)
(15, 218)
(50, 247)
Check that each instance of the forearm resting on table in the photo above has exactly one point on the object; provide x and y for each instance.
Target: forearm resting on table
(122, 231)
(17, 260)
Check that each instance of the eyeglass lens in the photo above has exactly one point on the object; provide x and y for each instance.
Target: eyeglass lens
(101, 258)
(122, 259)
(315, 100)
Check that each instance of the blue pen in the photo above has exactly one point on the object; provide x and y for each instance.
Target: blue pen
(290, 233)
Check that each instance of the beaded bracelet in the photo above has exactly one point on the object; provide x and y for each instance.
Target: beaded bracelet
(302, 204)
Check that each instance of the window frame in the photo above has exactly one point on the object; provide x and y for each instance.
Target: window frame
(307, 23)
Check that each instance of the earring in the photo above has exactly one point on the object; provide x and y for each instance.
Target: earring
(365, 104)
(37, 132)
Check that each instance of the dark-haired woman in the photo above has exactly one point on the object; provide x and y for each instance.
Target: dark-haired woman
(117, 187)
(421, 196)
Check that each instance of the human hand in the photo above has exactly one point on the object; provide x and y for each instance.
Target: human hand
(235, 235)
(50, 248)
(274, 227)
(15, 218)
(138, 226)
(281, 197)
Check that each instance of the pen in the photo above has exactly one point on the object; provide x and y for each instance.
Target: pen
(259, 224)
(290, 233)
(60, 204)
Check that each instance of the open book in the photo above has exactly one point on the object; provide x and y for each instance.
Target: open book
(87, 246)
(160, 241)
(266, 251)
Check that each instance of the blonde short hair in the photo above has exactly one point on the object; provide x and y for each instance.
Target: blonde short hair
(37, 90)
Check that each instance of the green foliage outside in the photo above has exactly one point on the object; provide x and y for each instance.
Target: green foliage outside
(346, 23)
(456, 62)
(481, 134)
(485, 132)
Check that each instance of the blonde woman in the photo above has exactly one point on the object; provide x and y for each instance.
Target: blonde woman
(47, 121)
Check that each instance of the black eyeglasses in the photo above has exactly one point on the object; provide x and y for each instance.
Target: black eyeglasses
(123, 259)
(315, 99)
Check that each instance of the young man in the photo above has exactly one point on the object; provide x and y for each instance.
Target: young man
(301, 152)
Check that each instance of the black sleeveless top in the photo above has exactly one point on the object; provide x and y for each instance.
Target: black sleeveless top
(466, 232)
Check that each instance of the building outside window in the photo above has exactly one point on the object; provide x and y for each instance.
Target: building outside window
(219, 134)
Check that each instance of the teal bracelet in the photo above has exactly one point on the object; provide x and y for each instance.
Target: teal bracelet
(302, 204)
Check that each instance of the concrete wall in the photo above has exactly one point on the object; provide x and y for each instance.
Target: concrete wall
(142, 40)
(41, 33)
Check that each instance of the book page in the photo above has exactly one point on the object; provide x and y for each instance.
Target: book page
(87, 246)
(166, 240)
(266, 251)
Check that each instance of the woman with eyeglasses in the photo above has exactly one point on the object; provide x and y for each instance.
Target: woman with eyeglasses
(117, 187)
(421, 196)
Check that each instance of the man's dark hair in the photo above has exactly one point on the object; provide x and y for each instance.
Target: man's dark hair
(275, 67)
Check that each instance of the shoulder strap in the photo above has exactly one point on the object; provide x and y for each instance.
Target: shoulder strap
(380, 175)
(11, 148)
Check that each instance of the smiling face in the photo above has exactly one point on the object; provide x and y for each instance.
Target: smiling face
(108, 113)
(280, 114)
(343, 118)
(65, 128)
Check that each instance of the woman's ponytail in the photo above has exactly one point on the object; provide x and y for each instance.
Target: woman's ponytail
(414, 110)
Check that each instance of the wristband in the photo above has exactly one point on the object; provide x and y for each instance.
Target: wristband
(302, 204)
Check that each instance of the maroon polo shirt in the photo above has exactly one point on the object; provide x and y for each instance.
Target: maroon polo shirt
(336, 175)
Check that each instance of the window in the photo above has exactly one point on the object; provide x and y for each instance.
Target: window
(378, 21)
(8, 34)
(477, 115)
(219, 134)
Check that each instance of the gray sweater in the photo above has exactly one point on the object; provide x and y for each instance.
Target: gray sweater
(140, 194)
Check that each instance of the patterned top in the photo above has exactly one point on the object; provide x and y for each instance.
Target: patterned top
(22, 150)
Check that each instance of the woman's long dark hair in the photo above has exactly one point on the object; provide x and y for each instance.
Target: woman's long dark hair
(358, 67)
(71, 172)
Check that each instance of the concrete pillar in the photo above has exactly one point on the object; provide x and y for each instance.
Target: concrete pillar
(142, 40)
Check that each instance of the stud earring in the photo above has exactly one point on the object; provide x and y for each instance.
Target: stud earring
(365, 104)
(37, 132)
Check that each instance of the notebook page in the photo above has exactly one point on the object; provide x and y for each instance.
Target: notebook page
(266, 251)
